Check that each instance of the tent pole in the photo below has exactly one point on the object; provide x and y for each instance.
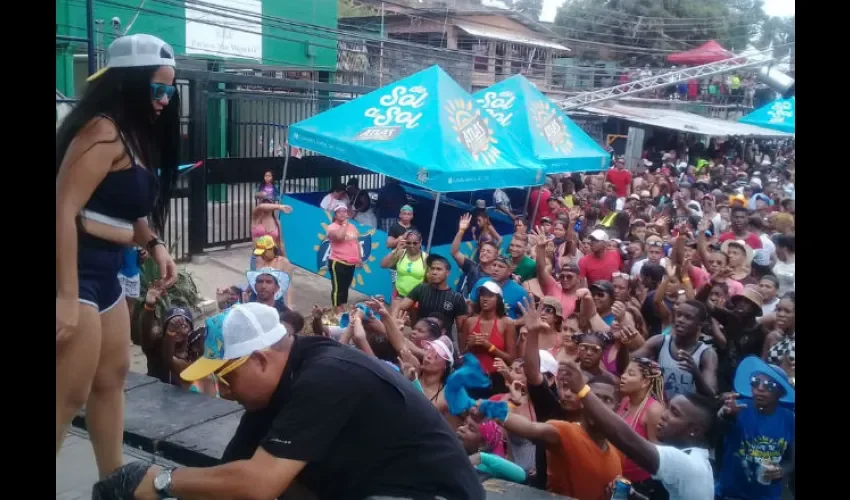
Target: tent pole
(527, 199)
(433, 222)
(285, 167)
(536, 206)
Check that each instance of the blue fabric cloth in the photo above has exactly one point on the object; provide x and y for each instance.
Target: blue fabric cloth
(368, 313)
(470, 375)
(129, 262)
(499, 468)
(512, 293)
(752, 437)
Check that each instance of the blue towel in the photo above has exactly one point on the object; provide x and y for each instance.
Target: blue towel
(469, 375)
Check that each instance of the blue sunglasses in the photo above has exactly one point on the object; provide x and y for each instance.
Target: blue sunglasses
(160, 90)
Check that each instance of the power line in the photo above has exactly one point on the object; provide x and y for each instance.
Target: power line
(466, 57)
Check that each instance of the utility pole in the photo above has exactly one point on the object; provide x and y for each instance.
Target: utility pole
(91, 36)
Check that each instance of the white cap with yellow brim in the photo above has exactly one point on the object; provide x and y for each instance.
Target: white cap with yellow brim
(233, 334)
(134, 51)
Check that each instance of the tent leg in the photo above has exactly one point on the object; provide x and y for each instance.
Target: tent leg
(433, 222)
(527, 199)
(285, 167)
(536, 207)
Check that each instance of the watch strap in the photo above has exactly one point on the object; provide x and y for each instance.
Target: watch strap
(154, 242)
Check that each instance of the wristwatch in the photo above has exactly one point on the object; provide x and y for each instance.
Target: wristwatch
(153, 243)
(162, 482)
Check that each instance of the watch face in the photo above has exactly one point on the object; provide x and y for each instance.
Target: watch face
(162, 480)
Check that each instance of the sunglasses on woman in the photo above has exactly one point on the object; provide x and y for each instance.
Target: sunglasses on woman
(160, 90)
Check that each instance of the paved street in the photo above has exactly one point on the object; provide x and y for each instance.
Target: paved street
(75, 468)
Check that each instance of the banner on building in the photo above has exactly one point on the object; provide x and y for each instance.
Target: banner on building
(221, 30)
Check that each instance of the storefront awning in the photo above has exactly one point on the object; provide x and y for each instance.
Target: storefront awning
(507, 36)
(683, 121)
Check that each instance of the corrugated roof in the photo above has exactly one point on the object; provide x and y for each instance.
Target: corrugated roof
(507, 35)
(683, 121)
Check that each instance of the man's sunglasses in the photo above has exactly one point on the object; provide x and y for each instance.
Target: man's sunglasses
(160, 90)
(766, 384)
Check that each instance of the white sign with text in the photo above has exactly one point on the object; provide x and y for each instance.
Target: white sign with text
(233, 32)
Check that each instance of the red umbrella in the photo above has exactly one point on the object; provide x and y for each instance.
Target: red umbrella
(708, 52)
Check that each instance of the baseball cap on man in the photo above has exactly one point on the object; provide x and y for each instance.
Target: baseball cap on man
(234, 335)
(599, 235)
(134, 51)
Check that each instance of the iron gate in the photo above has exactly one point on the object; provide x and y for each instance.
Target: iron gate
(237, 125)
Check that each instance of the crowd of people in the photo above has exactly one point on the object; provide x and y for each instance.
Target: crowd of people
(667, 291)
(634, 336)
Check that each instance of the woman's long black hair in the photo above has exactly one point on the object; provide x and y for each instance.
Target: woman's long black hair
(124, 94)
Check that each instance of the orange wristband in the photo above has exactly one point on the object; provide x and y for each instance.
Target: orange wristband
(149, 307)
(492, 348)
(583, 392)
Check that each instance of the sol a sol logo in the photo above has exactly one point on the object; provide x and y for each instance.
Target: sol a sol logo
(551, 126)
(472, 131)
(499, 105)
(397, 111)
(780, 112)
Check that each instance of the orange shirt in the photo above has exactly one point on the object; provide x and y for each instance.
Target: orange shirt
(577, 467)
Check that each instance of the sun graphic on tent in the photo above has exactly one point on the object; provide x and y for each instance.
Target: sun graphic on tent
(472, 130)
(323, 250)
(551, 126)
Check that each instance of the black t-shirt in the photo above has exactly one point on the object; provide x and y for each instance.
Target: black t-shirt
(446, 302)
(472, 272)
(362, 428)
(397, 230)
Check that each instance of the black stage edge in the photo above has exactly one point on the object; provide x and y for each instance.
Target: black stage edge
(193, 430)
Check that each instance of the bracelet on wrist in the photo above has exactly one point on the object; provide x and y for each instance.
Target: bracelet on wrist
(149, 307)
(491, 349)
(583, 392)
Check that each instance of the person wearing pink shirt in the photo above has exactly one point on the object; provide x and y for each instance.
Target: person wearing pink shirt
(345, 256)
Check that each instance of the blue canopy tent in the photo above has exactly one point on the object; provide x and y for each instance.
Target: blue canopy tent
(555, 140)
(778, 115)
(424, 130)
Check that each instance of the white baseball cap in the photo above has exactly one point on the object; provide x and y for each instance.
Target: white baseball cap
(492, 287)
(599, 235)
(134, 51)
(233, 334)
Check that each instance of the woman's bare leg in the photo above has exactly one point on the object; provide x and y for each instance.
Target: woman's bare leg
(76, 363)
(105, 406)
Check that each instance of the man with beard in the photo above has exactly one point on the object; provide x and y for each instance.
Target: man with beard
(688, 365)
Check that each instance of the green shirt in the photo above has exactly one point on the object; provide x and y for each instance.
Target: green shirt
(526, 269)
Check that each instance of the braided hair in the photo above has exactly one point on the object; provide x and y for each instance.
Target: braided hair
(652, 370)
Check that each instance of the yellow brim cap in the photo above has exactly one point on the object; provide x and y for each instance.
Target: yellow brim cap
(202, 368)
(259, 251)
(97, 74)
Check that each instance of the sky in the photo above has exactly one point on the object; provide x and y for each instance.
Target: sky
(783, 8)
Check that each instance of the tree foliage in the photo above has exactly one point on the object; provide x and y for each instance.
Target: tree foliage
(662, 25)
(348, 8)
(531, 8)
